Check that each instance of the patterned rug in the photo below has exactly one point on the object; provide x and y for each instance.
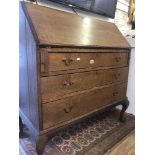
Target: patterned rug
(93, 136)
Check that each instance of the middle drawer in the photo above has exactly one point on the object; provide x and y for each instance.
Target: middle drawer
(54, 87)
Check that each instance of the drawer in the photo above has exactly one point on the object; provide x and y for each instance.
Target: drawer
(69, 61)
(72, 107)
(54, 87)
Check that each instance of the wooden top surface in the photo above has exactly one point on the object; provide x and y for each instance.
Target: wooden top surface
(53, 27)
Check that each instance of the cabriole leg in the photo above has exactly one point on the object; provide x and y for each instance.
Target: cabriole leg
(125, 105)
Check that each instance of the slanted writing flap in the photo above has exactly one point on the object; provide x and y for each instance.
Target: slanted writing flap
(53, 27)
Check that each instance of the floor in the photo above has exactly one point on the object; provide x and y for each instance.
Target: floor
(105, 124)
(125, 147)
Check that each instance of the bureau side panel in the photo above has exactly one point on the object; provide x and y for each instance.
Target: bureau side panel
(29, 75)
(32, 76)
(23, 70)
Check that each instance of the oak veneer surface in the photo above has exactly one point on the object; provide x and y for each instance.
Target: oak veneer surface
(54, 87)
(66, 61)
(66, 109)
(53, 27)
(70, 67)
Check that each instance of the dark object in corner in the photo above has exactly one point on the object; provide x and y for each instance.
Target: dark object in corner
(105, 8)
(133, 25)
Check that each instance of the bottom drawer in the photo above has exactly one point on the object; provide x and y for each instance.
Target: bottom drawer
(72, 107)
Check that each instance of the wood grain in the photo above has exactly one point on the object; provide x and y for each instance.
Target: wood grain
(28, 74)
(67, 109)
(55, 27)
(70, 61)
(54, 87)
(71, 67)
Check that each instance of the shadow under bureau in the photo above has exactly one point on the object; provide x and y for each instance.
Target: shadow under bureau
(71, 67)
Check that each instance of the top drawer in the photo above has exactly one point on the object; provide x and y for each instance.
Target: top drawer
(69, 61)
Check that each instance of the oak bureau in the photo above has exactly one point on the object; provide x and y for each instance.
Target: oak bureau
(70, 68)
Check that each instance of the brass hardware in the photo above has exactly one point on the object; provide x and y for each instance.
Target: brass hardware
(118, 59)
(67, 61)
(116, 76)
(68, 109)
(97, 73)
(67, 83)
(115, 93)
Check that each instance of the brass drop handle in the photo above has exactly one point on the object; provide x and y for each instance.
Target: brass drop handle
(68, 109)
(118, 59)
(67, 83)
(116, 76)
(67, 61)
(115, 93)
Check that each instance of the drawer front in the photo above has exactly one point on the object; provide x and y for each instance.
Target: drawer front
(70, 108)
(70, 61)
(54, 87)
